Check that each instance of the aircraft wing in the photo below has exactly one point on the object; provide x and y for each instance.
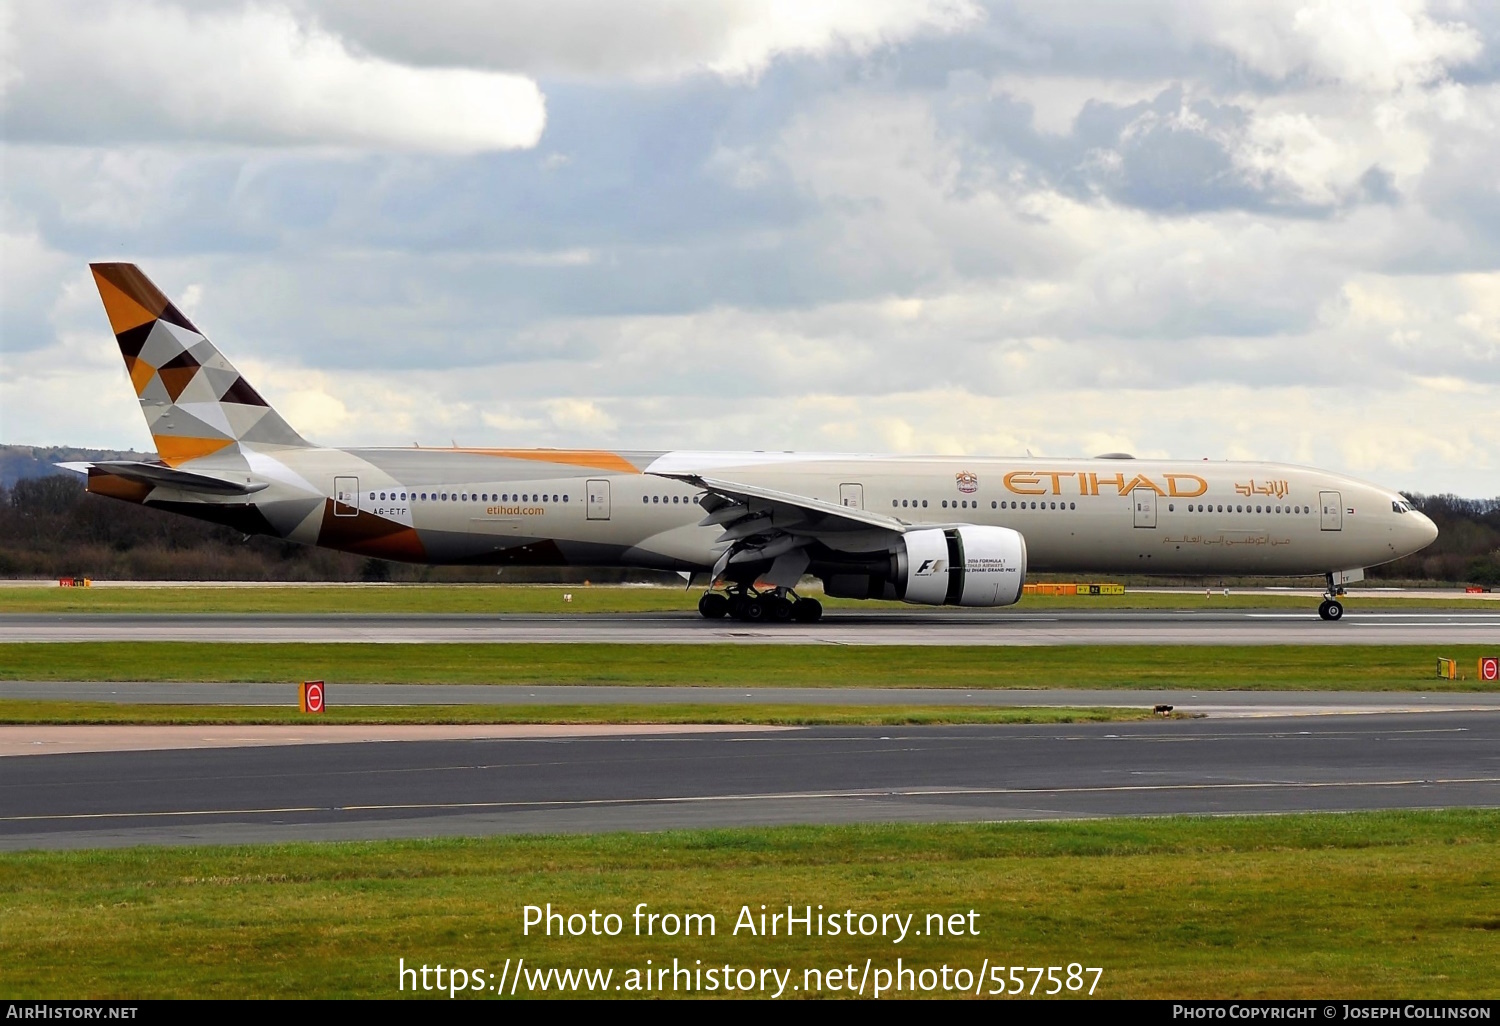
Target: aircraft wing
(767, 525)
(164, 476)
(791, 507)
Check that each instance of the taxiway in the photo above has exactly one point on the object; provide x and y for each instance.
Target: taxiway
(637, 780)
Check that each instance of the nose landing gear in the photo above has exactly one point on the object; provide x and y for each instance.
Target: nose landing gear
(1331, 608)
(780, 605)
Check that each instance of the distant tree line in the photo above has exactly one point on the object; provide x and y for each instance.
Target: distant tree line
(1467, 549)
(51, 527)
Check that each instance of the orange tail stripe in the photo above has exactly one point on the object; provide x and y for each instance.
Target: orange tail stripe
(174, 449)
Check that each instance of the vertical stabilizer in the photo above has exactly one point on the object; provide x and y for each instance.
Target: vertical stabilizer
(195, 402)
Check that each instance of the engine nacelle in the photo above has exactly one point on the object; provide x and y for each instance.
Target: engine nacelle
(962, 566)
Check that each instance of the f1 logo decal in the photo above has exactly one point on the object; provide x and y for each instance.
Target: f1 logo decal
(930, 567)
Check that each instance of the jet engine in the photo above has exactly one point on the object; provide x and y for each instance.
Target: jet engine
(954, 566)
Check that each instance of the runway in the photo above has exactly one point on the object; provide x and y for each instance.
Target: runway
(1205, 703)
(839, 627)
(639, 781)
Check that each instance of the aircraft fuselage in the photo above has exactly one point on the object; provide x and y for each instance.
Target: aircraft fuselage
(533, 507)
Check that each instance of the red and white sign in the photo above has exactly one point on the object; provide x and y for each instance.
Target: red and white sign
(312, 696)
(1489, 668)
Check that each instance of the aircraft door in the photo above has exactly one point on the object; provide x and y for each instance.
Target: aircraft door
(1144, 500)
(852, 495)
(598, 500)
(346, 496)
(1332, 517)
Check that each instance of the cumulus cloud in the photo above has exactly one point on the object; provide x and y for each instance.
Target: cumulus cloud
(103, 71)
(644, 39)
(1375, 45)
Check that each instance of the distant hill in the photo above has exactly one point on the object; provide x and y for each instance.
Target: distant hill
(19, 462)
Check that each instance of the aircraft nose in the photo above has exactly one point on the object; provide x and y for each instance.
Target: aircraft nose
(1424, 531)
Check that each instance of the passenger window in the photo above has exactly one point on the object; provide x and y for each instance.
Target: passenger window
(924, 503)
(993, 504)
(645, 498)
(945, 503)
(1171, 507)
(565, 496)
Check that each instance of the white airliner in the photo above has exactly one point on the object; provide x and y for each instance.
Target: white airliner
(934, 530)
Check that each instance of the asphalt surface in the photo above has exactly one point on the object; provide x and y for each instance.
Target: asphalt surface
(839, 627)
(635, 781)
(32, 739)
(1207, 703)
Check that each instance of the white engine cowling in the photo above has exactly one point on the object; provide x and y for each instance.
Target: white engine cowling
(963, 566)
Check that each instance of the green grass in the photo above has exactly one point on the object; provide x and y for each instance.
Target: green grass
(1256, 667)
(413, 598)
(1370, 905)
(22, 711)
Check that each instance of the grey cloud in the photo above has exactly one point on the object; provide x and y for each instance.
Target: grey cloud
(1172, 154)
(644, 39)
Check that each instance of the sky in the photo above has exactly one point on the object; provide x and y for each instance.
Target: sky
(1177, 228)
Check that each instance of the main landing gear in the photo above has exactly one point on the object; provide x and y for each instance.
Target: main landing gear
(1332, 608)
(780, 605)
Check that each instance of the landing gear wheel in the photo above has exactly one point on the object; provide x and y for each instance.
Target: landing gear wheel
(1331, 609)
(807, 611)
(753, 610)
(778, 609)
(713, 606)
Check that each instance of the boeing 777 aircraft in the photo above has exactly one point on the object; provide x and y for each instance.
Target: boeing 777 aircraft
(935, 530)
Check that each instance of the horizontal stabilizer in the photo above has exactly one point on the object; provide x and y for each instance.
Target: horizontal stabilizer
(160, 474)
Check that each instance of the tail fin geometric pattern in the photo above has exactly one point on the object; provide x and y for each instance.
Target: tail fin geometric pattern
(194, 401)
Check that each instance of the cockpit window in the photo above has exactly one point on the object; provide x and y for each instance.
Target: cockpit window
(1400, 507)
